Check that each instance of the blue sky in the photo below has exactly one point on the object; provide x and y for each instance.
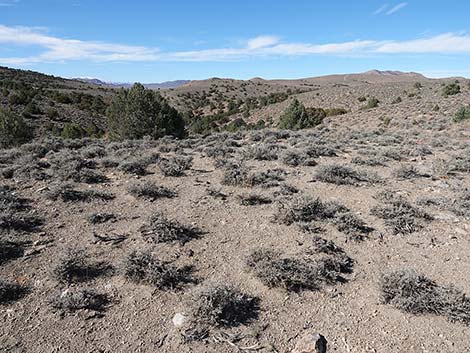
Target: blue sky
(152, 41)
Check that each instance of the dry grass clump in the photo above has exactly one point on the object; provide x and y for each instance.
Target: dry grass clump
(74, 265)
(10, 291)
(294, 158)
(73, 299)
(67, 193)
(15, 214)
(285, 190)
(216, 193)
(285, 272)
(408, 171)
(235, 174)
(143, 267)
(150, 191)
(160, 229)
(266, 179)
(351, 225)
(68, 166)
(369, 161)
(26, 222)
(461, 205)
(344, 175)
(300, 272)
(10, 250)
(216, 305)
(175, 166)
(101, 217)
(305, 210)
(262, 152)
(9, 200)
(414, 293)
(239, 175)
(320, 150)
(134, 166)
(461, 162)
(254, 199)
(400, 215)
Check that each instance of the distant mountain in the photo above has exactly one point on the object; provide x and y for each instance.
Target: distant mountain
(394, 73)
(161, 85)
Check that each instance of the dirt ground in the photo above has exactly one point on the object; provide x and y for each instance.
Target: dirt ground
(351, 315)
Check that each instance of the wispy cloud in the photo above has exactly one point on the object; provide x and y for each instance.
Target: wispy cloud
(58, 49)
(8, 3)
(380, 10)
(447, 43)
(54, 49)
(396, 8)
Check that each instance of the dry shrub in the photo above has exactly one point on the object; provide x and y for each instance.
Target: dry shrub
(160, 229)
(73, 265)
(216, 305)
(412, 292)
(10, 291)
(151, 191)
(344, 175)
(143, 267)
(75, 299)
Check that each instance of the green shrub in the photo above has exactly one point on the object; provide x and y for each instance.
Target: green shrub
(236, 125)
(372, 103)
(52, 113)
(13, 129)
(296, 116)
(139, 112)
(451, 89)
(31, 109)
(19, 98)
(72, 131)
(462, 114)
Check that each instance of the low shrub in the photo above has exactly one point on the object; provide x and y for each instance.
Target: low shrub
(67, 193)
(13, 129)
(462, 114)
(175, 166)
(221, 306)
(10, 291)
(150, 191)
(414, 293)
(160, 229)
(75, 299)
(344, 175)
(142, 267)
(254, 199)
(74, 266)
(401, 216)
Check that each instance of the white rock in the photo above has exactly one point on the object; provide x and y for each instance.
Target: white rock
(179, 320)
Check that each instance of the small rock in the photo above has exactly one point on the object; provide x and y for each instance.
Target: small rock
(179, 320)
(311, 343)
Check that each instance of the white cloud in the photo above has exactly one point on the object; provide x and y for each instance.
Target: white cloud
(444, 43)
(380, 9)
(58, 49)
(8, 3)
(396, 8)
(54, 49)
(262, 41)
